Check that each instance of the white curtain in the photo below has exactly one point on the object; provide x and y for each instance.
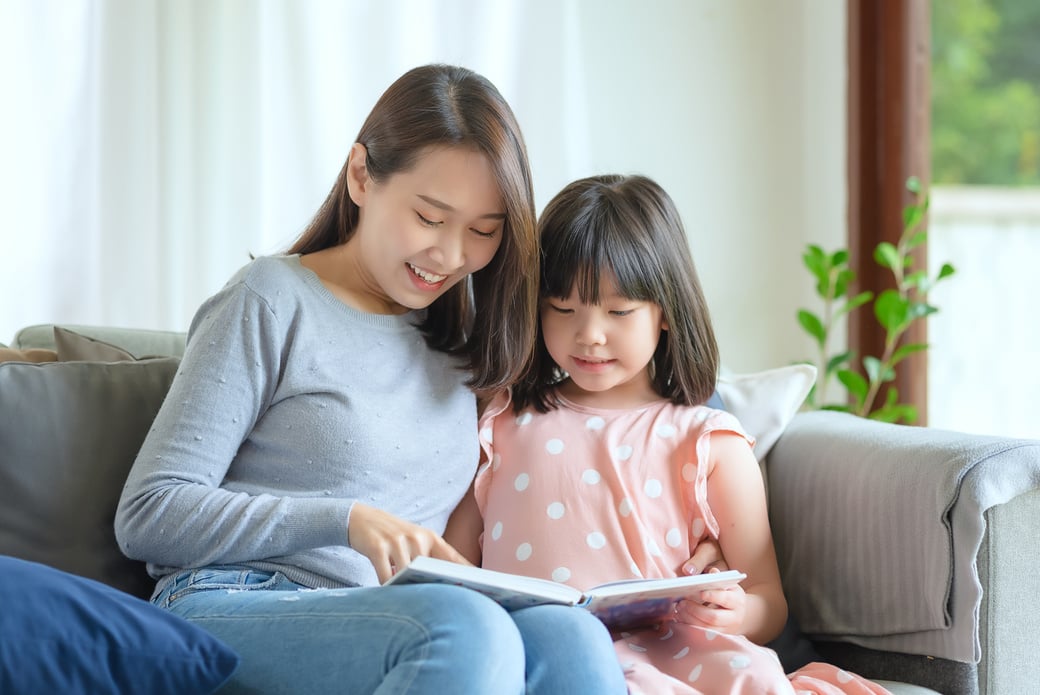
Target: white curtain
(148, 147)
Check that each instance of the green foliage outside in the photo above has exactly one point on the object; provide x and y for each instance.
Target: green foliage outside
(986, 92)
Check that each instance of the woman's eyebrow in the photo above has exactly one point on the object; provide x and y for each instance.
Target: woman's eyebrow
(441, 205)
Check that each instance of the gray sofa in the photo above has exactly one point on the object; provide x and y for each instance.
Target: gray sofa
(909, 555)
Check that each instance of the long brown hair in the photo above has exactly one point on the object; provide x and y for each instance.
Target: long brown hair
(490, 320)
(626, 228)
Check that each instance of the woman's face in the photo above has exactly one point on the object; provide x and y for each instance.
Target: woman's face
(423, 230)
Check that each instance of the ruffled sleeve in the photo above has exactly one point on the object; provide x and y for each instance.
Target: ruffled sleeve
(486, 432)
(695, 473)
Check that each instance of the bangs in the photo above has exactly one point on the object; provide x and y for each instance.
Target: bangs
(601, 246)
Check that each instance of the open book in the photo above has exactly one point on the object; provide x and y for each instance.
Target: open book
(620, 604)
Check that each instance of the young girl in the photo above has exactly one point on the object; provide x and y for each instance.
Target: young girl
(607, 466)
(321, 427)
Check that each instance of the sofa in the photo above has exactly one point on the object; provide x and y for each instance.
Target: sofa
(908, 554)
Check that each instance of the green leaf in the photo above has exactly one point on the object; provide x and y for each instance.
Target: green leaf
(945, 272)
(918, 279)
(813, 326)
(854, 382)
(815, 260)
(886, 255)
(913, 184)
(912, 216)
(892, 311)
(872, 366)
(837, 361)
(854, 303)
(917, 239)
(904, 351)
(839, 258)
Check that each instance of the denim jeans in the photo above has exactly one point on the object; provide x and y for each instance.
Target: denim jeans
(428, 639)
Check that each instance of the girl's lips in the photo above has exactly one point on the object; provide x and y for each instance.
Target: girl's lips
(592, 365)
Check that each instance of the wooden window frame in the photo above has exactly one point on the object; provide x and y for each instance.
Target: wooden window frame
(889, 112)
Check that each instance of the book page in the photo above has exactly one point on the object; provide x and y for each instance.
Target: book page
(644, 601)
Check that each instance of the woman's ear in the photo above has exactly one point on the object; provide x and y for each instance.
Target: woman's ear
(357, 174)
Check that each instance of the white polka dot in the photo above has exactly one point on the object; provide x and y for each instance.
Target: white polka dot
(523, 551)
(623, 452)
(521, 482)
(681, 653)
(844, 676)
(635, 647)
(561, 574)
(634, 569)
(710, 635)
(740, 661)
(496, 531)
(596, 540)
(554, 446)
(488, 434)
(496, 462)
(595, 423)
(524, 419)
(689, 472)
(697, 527)
(667, 635)
(695, 673)
(653, 488)
(665, 431)
(625, 508)
(673, 538)
(555, 510)
(590, 477)
(652, 547)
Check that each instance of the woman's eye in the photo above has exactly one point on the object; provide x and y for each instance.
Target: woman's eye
(427, 222)
(485, 235)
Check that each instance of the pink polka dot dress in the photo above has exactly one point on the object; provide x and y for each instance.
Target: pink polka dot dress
(584, 496)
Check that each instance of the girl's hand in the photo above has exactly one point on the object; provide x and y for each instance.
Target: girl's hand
(391, 542)
(707, 555)
(722, 610)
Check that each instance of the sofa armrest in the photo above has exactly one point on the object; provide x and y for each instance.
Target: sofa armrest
(878, 529)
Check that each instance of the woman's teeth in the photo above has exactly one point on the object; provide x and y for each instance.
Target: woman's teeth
(428, 277)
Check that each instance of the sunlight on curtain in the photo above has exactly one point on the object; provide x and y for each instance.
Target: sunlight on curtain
(178, 138)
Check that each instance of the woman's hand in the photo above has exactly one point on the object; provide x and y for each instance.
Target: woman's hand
(722, 610)
(707, 555)
(391, 542)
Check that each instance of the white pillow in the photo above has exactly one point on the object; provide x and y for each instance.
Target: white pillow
(765, 402)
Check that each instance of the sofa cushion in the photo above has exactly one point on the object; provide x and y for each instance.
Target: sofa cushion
(60, 633)
(72, 346)
(70, 432)
(137, 341)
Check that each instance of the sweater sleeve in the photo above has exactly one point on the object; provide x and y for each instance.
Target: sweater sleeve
(173, 511)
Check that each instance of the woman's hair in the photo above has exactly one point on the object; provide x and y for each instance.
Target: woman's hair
(490, 319)
(625, 229)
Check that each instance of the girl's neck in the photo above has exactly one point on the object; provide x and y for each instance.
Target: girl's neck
(627, 396)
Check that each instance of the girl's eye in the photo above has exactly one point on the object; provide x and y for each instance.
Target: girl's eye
(560, 309)
(428, 223)
(622, 312)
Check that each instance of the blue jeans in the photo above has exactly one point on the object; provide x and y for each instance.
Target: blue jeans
(408, 639)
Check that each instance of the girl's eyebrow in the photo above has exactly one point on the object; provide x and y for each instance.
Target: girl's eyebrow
(441, 205)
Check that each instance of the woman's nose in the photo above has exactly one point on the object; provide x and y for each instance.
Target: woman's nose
(449, 251)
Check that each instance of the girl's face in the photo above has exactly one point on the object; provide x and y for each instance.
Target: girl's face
(423, 230)
(606, 348)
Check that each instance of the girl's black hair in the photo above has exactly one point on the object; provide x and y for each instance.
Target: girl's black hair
(625, 228)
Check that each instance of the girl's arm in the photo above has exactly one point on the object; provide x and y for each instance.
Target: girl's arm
(736, 496)
(464, 528)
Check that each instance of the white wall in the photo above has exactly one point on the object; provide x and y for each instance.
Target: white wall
(143, 163)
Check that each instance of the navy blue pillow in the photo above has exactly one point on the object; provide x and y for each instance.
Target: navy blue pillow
(62, 633)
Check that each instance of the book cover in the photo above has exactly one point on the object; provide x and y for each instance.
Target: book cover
(619, 604)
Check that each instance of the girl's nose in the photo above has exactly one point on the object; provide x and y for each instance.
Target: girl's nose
(590, 332)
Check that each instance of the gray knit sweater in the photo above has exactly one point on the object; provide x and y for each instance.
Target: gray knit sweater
(288, 407)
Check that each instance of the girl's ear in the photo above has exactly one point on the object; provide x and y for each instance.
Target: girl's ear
(357, 174)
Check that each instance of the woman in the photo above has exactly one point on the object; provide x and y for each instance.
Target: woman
(322, 426)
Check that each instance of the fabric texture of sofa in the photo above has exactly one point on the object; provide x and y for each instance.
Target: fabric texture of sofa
(908, 554)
